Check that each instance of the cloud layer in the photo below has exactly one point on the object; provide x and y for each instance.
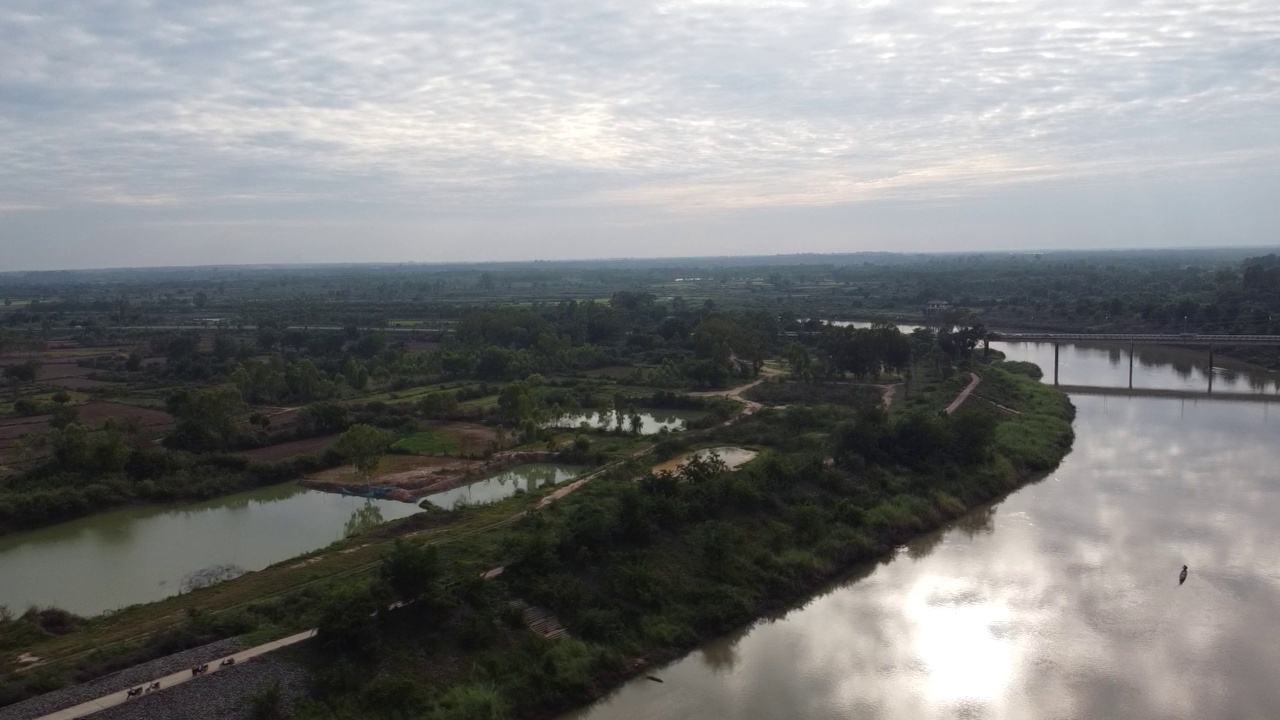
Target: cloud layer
(612, 111)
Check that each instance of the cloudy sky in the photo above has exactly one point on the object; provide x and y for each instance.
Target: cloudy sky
(161, 132)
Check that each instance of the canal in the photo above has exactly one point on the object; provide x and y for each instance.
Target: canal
(1062, 600)
(140, 554)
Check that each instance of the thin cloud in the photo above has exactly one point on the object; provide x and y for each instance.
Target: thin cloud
(684, 106)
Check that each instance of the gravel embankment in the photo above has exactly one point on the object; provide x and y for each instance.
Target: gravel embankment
(223, 695)
(130, 677)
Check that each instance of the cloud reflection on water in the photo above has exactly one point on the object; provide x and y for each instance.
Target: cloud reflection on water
(1060, 602)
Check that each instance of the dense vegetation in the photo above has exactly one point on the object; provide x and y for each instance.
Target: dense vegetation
(170, 386)
(638, 570)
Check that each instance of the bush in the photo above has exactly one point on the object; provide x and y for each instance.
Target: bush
(266, 703)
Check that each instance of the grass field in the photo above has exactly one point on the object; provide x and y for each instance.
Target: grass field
(428, 442)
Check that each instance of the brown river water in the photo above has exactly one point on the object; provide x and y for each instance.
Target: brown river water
(1060, 601)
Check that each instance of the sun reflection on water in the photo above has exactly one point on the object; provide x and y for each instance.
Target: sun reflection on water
(956, 639)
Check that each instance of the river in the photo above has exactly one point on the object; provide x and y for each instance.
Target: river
(1062, 600)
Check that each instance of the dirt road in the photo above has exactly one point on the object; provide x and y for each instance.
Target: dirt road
(964, 394)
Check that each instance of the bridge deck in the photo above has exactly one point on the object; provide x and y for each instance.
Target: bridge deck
(1168, 393)
(1142, 338)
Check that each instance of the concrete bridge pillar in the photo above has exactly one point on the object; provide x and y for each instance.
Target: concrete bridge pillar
(1055, 363)
(1130, 366)
(1211, 369)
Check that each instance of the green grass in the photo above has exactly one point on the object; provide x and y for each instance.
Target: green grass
(428, 442)
(484, 402)
(1043, 432)
(413, 393)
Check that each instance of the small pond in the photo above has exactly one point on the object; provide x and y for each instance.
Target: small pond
(652, 422)
(505, 484)
(733, 457)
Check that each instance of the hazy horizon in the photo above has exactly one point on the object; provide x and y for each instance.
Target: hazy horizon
(163, 133)
(685, 261)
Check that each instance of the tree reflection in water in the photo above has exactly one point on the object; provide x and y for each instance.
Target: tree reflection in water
(362, 518)
(721, 654)
(979, 521)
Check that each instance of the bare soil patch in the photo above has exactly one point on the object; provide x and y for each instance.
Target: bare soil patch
(59, 370)
(96, 413)
(472, 439)
(410, 472)
(14, 428)
(79, 383)
(282, 451)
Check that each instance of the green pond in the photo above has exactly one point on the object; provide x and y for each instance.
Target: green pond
(505, 484)
(140, 554)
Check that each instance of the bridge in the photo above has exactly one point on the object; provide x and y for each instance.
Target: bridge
(1138, 338)
(1184, 339)
(1196, 395)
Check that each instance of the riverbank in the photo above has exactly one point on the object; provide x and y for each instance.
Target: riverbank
(642, 572)
(871, 511)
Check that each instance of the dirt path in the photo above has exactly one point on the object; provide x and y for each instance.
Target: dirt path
(964, 394)
(121, 697)
(749, 406)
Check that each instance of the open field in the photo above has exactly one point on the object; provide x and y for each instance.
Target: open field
(97, 412)
(283, 451)
(58, 370)
(79, 383)
(427, 442)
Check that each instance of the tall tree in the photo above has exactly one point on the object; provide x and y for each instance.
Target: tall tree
(363, 445)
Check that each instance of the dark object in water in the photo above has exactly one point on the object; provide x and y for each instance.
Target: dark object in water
(1182, 577)
(650, 677)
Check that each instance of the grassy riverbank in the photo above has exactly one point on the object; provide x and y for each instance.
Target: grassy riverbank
(639, 571)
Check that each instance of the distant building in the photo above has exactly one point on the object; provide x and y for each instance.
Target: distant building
(937, 307)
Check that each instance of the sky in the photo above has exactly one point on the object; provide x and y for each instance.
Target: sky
(140, 133)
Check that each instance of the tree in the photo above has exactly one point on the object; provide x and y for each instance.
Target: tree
(369, 345)
(346, 623)
(133, 363)
(207, 419)
(268, 337)
(412, 571)
(438, 404)
(515, 403)
(182, 347)
(19, 374)
(363, 445)
(63, 415)
(800, 361)
(224, 347)
(322, 418)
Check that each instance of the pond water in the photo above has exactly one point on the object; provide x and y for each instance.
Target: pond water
(733, 457)
(140, 554)
(652, 422)
(1061, 601)
(505, 484)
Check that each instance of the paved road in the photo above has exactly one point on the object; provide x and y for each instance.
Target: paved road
(168, 681)
(964, 394)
